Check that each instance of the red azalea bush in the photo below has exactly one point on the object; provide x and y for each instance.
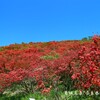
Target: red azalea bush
(86, 67)
(15, 67)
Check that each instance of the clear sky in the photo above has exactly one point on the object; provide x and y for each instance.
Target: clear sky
(47, 20)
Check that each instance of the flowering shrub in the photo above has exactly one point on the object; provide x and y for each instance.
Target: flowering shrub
(86, 68)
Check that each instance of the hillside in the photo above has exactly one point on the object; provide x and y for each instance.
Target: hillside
(45, 66)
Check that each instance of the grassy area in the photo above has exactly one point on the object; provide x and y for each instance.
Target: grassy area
(51, 96)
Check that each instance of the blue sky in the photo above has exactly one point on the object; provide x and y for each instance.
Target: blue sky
(47, 20)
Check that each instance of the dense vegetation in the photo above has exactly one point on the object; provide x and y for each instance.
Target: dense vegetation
(50, 68)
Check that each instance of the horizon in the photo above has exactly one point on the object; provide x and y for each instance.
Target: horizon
(87, 38)
(48, 20)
